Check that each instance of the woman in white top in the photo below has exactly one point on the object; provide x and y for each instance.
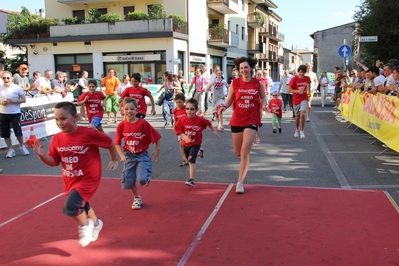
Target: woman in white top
(323, 87)
(124, 84)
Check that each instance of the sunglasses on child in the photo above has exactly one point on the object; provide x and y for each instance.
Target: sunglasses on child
(191, 109)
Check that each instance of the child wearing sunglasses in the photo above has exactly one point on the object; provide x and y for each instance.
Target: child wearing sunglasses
(276, 109)
(190, 128)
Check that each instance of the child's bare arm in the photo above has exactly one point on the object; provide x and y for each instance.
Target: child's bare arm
(155, 153)
(214, 131)
(120, 152)
(45, 158)
(113, 164)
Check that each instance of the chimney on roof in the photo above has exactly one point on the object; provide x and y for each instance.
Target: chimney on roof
(41, 13)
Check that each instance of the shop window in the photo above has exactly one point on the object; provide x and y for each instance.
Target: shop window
(84, 59)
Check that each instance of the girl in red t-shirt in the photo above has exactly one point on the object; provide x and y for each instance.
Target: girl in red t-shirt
(247, 96)
(276, 108)
(94, 105)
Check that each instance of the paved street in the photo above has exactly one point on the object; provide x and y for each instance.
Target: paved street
(334, 154)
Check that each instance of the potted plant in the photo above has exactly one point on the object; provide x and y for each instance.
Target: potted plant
(137, 15)
(112, 18)
(178, 22)
(156, 11)
(259, 17)
(71, 21)
(216, 31)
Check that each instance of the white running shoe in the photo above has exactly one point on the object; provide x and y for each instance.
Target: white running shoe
(302, 135)
(24, 150)
(97, 230)
(10, 153)
(239, 188)
(296, 134)
(137, 203)
(86, 233)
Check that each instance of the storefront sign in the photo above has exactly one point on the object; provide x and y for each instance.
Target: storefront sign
(197, 59)
(131, 58)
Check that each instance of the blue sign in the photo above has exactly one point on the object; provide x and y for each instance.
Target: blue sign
(344, 51)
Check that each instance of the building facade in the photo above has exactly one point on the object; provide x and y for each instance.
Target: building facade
(327, 43)
(217, 32)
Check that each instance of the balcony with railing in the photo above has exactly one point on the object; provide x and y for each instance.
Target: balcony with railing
(224, 6)
(272, 33)
(74, 2)
(256, 20)
(256, 47)
(152, 28)
(222, 38)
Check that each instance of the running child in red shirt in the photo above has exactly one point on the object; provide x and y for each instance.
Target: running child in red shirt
(136, 91)
(94, 105)
(275, 108)
(190, 128)
(137, 135)
(178, 113)
(77, 149)
(299, 87)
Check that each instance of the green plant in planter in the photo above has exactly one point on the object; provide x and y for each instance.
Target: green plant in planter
(216, 31)
(112, 17)
(259, 18)
(178, 21)
(137, 15)
(156, 11)
(71, 21)
(93, 15)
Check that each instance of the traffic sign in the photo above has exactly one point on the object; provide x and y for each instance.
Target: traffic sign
(344, 51)
(368, 39)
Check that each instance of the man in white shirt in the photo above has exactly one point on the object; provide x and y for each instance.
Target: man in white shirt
(82, 89)
(377, 84)
(43, 84)
(11, 97)
(269, 83)
(388, 73)
(313, 87)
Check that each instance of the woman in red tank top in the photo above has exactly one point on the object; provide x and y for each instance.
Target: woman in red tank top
(247, 95)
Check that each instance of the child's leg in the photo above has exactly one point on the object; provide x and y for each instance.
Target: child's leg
(135, 191)
(279, 122)
(183, 156)
(220, 121)
(274, 120)
(193, 170)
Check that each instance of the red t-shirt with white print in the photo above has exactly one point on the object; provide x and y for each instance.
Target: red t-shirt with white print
(137, 136)
(139, 94)
(193, 128)
(79, 154)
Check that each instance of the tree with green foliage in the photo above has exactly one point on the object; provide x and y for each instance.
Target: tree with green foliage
(156, 11)
(13, 63)
(378, 18)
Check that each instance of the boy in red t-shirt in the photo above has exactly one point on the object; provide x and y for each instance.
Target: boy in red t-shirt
(299, 87)
(275, 108)
(94, 105)
(137, 135)
(139, 93)
(190, 128)
(77, 149)
(179, 112)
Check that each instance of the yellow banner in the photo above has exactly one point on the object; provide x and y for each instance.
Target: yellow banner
(344, 105)
(376, 114)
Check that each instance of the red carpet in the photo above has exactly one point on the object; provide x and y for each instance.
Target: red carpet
(265, 226)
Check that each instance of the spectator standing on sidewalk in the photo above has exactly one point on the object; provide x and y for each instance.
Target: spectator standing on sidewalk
(324, 81)
(21, 78)
(313, 87)
(11, 97)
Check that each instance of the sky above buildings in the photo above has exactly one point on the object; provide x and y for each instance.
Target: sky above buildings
(300, 18)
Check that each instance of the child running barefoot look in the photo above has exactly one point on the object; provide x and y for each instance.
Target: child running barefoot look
(190, 128)
(178, 113)
(93, 100)
(77, 148)
(137, 135)
(275, 107)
